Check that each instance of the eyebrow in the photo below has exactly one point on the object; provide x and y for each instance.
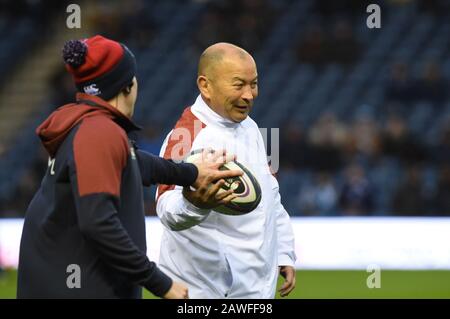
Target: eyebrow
(239, 79)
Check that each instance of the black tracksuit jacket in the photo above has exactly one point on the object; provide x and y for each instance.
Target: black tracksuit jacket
(87, 218)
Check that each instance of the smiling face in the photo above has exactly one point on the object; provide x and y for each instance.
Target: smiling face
(230, 84)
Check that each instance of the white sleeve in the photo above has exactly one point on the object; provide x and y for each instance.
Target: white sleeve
(285, 233)
(177, 213)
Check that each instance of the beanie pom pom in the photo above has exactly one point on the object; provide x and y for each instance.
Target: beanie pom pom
(74, 53)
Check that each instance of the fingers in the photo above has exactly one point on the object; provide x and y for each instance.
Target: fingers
(285, 292)
(228, 199)
(218, 157)
(227, 174)
(223, 156)
(287, 287)
(215, 188)
(224, 194)
(289, 283)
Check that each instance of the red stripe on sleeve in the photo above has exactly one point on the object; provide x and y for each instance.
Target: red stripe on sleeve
(180, 141)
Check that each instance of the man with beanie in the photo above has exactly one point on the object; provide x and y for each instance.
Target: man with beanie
(84, 230)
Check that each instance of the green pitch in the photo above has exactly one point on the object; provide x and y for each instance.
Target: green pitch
(334, 284)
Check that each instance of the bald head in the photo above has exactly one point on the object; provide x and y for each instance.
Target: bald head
(228, 80)
(216, 54)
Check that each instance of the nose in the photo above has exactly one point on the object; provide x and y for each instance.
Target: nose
(247, 95)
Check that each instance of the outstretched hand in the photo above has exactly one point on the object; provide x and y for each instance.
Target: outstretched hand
(210, 180)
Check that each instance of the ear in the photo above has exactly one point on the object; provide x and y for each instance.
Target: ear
(126, 90)
(204, 86)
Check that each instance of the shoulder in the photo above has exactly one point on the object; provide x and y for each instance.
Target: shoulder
(102, 128)
(179, 141)
(249, 123)
(99, 134)
(188, 120)
(253, 131)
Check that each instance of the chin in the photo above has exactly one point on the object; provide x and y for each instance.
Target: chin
(239, 118)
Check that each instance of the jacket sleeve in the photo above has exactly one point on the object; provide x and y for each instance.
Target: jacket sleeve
(99, 156)
(285, 233)
(157, 170)
(176, 212)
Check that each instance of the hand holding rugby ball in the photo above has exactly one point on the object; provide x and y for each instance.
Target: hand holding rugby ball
(245, 188)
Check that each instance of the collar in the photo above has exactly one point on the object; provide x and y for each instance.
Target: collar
(124, 121)
(208, 115)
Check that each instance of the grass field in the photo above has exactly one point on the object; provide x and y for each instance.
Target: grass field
(334, 284)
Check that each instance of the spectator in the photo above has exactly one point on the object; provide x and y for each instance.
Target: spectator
(364, 137)
(400, 87)
(311, 47)
(248, 23)
(343, 47)
(398, 142)
(319, 197)
(137, 26)
(209, 31)
(357, 197)
(432, 87)
(327, 137)
(409, 198)
(294, 150)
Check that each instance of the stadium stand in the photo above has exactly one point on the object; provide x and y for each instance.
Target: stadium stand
(364, 114)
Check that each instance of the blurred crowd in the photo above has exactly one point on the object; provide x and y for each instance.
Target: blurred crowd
(344, 160)
(322, 44)
(242, 22)
(37, 10)
(430, 87)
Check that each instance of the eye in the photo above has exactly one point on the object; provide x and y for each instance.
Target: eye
(254, 85)
(238, 85)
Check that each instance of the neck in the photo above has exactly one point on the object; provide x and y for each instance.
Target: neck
(119, 104)
(114, 101)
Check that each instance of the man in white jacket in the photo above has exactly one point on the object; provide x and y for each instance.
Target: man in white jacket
(217, 255)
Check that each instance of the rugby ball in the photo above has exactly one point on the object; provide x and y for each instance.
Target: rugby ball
(246, 187)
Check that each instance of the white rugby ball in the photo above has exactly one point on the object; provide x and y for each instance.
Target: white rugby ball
(246, 187)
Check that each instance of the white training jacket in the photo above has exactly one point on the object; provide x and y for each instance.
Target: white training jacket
(216, 255)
